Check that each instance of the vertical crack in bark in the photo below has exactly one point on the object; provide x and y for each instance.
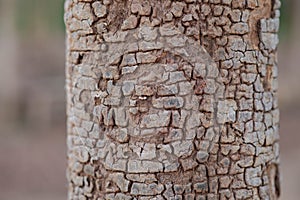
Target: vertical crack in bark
(264, 11)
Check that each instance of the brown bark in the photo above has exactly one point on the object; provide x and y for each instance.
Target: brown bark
(172, 99)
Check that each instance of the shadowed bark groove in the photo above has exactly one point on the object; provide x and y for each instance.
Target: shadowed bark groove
(172, 99)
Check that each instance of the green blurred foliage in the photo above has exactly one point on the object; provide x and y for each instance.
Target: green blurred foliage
(39, 14)
(286, 17)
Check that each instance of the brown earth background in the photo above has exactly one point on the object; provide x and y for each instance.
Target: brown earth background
(32, 100)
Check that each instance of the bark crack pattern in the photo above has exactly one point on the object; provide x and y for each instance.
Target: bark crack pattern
(172, 99)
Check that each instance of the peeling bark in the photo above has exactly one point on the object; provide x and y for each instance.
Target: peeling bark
(172, 99)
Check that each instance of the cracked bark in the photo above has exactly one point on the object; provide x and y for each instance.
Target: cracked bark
(172, 99)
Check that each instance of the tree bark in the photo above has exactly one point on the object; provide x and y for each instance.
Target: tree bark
(172, 99)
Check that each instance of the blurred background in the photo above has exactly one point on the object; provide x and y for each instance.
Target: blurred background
(32, 100)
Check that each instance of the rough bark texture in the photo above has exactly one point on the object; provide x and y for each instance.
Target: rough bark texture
(172, 99)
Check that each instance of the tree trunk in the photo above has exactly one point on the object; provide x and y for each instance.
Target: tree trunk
(172, 99)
